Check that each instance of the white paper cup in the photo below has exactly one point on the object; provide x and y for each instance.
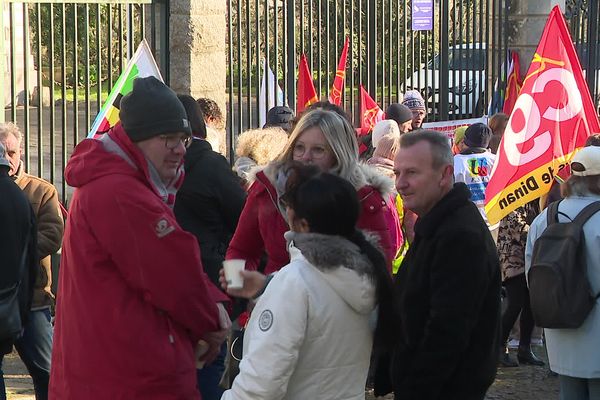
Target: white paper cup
(232, 273)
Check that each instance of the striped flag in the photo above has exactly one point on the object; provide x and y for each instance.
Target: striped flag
(141, 65)
(307, 94)
(340, 74)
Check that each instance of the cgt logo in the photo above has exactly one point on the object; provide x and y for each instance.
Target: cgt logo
(538, 124)
(478, 167)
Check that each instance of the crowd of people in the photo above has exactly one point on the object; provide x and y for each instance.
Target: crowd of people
(369, 259)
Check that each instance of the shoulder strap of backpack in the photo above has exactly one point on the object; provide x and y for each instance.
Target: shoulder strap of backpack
(586, 213)
(552, 214)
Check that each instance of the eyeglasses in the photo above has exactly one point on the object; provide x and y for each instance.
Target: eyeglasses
(316, 153)
(172, 141)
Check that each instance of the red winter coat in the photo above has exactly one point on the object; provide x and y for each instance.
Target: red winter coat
(261, 225)
(133, 299)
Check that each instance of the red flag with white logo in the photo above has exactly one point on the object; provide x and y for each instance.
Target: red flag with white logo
(370, 113)
(551, 119)
(335, 97)
(307, 94)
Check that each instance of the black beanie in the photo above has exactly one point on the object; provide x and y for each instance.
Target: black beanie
(399, 113)
(478, 135)
(152, 109)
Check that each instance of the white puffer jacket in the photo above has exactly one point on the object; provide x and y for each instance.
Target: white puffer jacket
(309, 335)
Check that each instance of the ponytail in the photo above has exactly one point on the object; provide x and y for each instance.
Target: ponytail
(384, 330)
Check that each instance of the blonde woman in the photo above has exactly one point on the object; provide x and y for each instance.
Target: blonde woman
(320, 138)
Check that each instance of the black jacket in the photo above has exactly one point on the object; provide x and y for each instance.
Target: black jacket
(18, 238)
(448, 291)
(209, 204)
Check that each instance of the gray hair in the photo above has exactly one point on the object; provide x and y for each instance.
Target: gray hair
(339, 135)
(441, 153)
(8, 128)
(581, 186)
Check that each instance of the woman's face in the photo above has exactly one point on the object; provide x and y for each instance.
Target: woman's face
(311, 147)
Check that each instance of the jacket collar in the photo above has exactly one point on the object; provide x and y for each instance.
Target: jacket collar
(117, 142)
(455, 198)
(328, 252)
(20, 172)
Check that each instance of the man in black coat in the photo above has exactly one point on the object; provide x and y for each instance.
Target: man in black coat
(208, 205)
(448, 285)
(18, 239)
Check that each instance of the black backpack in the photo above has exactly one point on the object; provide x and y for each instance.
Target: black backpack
(559, 290)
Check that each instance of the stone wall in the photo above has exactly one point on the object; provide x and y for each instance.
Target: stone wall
(198, 34)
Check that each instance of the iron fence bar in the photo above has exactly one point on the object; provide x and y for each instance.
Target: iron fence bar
(130, 31)
(142, 22)
(153, 31)
(319, 52)
(285, 46)
(371, 49)
(99, 56)
(52, 105)
(472, 57)
(239, 69)
(276, 50)
(75, 79)
(492, 50)
(121, 44)
(592, 44)
(267, 61)
(87, 67)
(359, 53)
(351, 58)
(40, 113)
(13, 85)
(310, 29)
(444, 81)
(248, 66)
(291, 54)
(26, 91)
(390, 54)
(230, 113)
(110, 45)
(257, 60)
(63, 69)
(461, 40)
(327, 52)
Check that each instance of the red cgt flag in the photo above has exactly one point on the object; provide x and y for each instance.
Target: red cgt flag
(370, 113)
(307, 94)
(513, 84)
(338, 83)
(552, 117)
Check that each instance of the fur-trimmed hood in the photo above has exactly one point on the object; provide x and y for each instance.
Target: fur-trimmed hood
(366, 175)
(341, 264)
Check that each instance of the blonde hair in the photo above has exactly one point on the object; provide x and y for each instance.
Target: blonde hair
(261, 145)
(388, 147)
(339, 135)
(8, 128)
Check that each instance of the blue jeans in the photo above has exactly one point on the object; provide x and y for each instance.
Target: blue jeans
(210, 376)
(579, 388)
(35, 350)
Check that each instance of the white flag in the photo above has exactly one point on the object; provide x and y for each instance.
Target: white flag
(271, 102)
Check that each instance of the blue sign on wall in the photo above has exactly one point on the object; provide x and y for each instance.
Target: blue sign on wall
(422, 15)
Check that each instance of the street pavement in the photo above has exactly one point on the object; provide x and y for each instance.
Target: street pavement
(522, 383)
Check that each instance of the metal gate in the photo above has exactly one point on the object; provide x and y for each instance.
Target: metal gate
(385, 54)
(469, 39)
(62, 59)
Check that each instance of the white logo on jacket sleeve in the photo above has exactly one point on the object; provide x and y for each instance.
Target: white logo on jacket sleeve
(163, 228)
(265, 321)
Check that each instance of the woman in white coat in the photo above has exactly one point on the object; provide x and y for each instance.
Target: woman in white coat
(310, 335)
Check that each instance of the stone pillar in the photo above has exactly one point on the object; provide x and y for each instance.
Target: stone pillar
(198, 35)
(526, 22)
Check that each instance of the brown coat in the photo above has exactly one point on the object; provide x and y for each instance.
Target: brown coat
(50, 226)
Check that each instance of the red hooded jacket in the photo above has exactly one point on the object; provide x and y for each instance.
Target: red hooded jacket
(261, 225)
(133, 299)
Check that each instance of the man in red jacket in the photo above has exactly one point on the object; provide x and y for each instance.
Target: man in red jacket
(133, 299)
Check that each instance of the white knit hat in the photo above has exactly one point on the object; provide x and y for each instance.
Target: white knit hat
(382, 128)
